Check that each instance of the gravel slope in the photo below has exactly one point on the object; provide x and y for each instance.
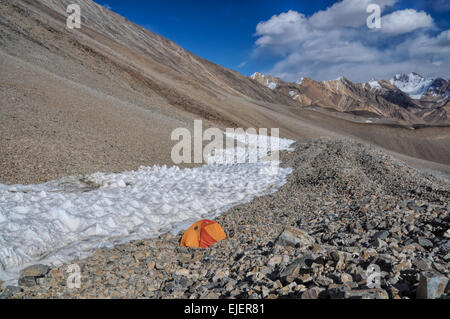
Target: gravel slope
(350, 206)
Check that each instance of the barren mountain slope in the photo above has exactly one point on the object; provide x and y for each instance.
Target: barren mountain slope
(106, 97)
(103, 98)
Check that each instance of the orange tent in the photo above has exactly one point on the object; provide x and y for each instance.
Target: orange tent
(203, 233)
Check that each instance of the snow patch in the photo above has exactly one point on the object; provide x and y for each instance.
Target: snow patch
(62, 220)
(374, 84)
(272, 85)
(300, 81)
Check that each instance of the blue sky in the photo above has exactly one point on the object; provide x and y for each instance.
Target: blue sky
(322, 39)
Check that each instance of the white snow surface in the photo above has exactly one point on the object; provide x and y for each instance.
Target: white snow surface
(63, 220)
(412, 84)
(374, 85)
(272, 85)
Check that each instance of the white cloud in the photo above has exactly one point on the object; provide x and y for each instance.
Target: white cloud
(336, 42)
(405, 21)
(347, 13)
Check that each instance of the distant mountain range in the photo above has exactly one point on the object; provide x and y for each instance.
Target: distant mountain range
(406, 98)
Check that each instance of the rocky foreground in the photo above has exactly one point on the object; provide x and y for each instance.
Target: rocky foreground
(351, 222)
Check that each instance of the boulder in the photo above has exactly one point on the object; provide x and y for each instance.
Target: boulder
(35, 271)
(291, 272)
(431, 285)
(293, 236)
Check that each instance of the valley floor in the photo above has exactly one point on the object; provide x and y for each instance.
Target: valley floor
(344, 207)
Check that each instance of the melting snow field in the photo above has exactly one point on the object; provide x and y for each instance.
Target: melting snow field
(59, 221)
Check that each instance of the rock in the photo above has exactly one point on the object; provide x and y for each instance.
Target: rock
(346, 278)
(431, 285)
(265, 291)
(401, 288)
(275, 260)
(35, 271)
(337, 292)
(337, 255)
(306, 278)
(403, 265)
(422, 264)
(425, 243)
(292, 270)
(141, 255)
(339, 258)
(379, 243)
(367, 253)
(447, 233)
(10, 291)
(382, 234)
(211, 295)
(366, 294)
(293, 236)
(323, 281)
(27, 281)
(312, 293)
(182, 272)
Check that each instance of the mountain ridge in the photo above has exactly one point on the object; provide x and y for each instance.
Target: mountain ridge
(397, 99)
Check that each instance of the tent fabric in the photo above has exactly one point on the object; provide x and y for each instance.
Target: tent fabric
(202, 234)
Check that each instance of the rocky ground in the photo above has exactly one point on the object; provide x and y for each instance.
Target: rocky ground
(347, 213)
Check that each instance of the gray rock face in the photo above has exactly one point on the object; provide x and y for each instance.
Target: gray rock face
(293, 236)
(431, 285)
(35, 271)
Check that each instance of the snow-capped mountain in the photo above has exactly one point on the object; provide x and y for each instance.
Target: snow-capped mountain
(407, 98)
(417, 86)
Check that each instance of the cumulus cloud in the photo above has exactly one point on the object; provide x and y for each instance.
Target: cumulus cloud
(348, 13)
(405, 21)
(336, 42)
